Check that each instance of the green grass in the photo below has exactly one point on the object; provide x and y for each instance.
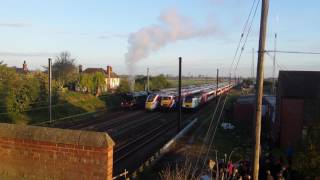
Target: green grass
(86, 102)
(66, 104)
(237, 140)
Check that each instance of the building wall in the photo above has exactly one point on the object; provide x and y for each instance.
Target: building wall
(28, 152)
(291, 121)
(113, 82)
(243, 112)
(297, 97)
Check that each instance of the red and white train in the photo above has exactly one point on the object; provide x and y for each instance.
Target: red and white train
(192, 96)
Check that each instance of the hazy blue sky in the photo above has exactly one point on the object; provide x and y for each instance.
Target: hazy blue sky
(96, 33)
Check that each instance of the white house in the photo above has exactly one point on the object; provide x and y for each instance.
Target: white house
(112, 80)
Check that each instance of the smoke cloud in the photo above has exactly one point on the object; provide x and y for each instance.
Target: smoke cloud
(172, 27)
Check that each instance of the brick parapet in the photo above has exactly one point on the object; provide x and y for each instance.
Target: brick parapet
(28, 152)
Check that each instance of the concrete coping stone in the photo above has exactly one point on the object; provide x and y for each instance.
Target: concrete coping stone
(55, 135)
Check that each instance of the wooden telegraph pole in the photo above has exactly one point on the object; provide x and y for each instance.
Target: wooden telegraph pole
(274, 65)
(148, 80)
(217, 81)
(179, 97)
(259, 82)
(252, 70)
(50, 88)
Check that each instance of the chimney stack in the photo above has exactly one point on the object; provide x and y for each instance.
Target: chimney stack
(80, 69)
(109, 71)
(24, 66)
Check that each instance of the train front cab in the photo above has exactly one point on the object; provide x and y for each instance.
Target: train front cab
(167, 102)
(188, 102)
(131, 101)
(152, 102)
(191, 102)
(127, 101)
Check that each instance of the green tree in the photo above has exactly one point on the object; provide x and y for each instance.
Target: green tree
(21, 92)
(44, 87)
(124, 86)
(159, 82)
(86, 83)
(99, 82)
(92, 83)
(140, 83)
(64, 70)
(156, 83)
(6, 75)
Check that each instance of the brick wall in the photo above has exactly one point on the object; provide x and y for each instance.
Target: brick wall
(28, 152)
(243, 112)
(291, 121)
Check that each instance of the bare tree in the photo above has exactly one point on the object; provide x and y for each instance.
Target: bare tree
(64, 69)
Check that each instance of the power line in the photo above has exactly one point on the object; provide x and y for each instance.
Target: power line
(277, 62)
(249, 30)
(293, 52)
(215, 130)
(206, 138)
(243, 31)
(236, 67)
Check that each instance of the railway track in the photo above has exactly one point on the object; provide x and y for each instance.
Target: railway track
(115, 122)
(134, 145)
(131, 154)
(83, 122)
(101, 119)
(137, 133)
(137, 127)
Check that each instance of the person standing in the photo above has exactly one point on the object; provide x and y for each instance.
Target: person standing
(269, 176)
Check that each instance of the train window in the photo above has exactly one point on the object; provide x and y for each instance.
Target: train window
(188, 99)
(166, 98)
(151, 98)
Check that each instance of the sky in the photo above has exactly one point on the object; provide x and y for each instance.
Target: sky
(205, 33)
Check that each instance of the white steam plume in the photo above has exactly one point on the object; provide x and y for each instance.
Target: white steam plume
(172, 27)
